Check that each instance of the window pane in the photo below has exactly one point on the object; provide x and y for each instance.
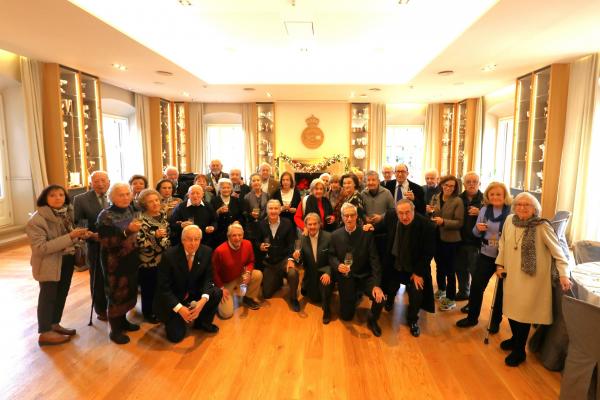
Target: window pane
(406, 144)
(226, 143)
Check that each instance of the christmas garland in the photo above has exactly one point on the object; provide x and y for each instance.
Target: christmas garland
(302, 167)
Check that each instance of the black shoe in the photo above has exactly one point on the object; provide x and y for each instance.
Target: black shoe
(295, 305)
(303, 292)
(151, 319)
(494, 328)
(465, 323)
(372, 325)
(326, 317)
(251, 304)
(461, 297)
(389, 303)
(209, 327)
(465, 309)
(507, 344)
(414, 329)
(102, 316)
(514, 359)
(129, 327)
(119, 337)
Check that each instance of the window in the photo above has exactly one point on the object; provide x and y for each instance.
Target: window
(5, 203)
(123, 151)
(226, 143)
(406, 144)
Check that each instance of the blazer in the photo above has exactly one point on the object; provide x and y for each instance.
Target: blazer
(282, 244)
(236, 213)
(314, 269)
(204, 215)
(87, 206)
(176, 283)
(294, 203)
(365, 263)
(417, 191)
(453, 214)
(272, 188)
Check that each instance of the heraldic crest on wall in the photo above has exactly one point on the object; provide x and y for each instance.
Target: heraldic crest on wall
(312, 135)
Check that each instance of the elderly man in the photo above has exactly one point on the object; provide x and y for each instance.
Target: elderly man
(172, 173)
(377, 199)
(410, 248)
(275, 239)
(212, 178)
(402, 188)
(313, 254)
(193, 212)
(268, 183)
(87, 206)
(240, 189)
(354, 260)
(388, 174)
(468, 250)
(431, 187)
(186, 293)
(361, 179)
(233, 271)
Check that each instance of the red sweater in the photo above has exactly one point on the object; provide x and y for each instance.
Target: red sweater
(228, 264)
(299, 216)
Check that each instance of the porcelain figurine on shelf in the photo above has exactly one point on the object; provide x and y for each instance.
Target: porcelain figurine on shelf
(543, 148)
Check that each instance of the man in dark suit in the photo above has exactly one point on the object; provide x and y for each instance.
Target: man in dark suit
(185, 290)
(179, 188)
(402, 188)
(194, 208)
(317, 284)
(363, 274)
(410, 245)
(431, 186)
(87, 206)
(269, 184)
(216, 173)
(276, 238)
(388, 174)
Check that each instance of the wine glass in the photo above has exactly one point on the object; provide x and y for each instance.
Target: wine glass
(82, 223)
(348, 261)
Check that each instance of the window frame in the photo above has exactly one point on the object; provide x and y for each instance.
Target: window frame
(6, 211)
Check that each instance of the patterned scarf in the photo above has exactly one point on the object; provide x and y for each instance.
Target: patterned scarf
(64, 216)
(528, 256)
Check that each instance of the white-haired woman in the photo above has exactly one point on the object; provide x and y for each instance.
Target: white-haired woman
(526, 249)
(229, 209)
(316, 203)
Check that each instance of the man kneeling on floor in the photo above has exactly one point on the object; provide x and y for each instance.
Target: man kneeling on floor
(186, 292)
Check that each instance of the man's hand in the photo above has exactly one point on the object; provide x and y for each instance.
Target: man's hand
(368, 227)
(290, 265)
(134, 226)
(418, 281)
(196, 310)
(410, 195)
(185, 314)
(378, 294)
(343, 269)
(225, 295)
(325, 279)
(209, 229)
(296, 255)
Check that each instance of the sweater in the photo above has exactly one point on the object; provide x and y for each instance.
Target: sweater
(228, 264)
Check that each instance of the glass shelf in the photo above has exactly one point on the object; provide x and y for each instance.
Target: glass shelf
(165, 133)
(266, 133)
(359, 135)
(181, 136)
(447, 138)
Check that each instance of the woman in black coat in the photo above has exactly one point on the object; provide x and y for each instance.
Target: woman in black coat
(229, 210)
(288, 196)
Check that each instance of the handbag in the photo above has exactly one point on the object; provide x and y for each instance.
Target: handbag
(80, 255)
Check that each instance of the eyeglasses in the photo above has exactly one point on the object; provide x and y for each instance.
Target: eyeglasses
(348, 215)
(471, 182)
(402, 172)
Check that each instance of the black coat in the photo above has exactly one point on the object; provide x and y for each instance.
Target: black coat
(282, 244)
(204, 215)
(417, 191)
(466, 232)
(294, 204)
(313, 270)
(175, 280)
(235, 213)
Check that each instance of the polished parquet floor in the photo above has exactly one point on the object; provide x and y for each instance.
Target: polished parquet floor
(271, 353)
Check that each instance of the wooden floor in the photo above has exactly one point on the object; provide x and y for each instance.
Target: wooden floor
(271, 353)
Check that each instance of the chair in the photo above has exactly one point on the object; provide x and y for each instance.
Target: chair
(586, 251)
(559, 222)
(580, 376)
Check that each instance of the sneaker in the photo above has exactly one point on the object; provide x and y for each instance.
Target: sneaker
(447, 304)
(440, 294)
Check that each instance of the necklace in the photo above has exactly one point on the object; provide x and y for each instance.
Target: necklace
(519, 240)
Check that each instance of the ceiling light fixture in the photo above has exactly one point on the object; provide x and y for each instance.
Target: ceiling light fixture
(489, 68)
(447, 72)
(403, 2)
(249, 89)
(164, 73)
(120, 67)
(185, 2)
(186, 94)
(269, 94)
(159, 83)
(375, 89)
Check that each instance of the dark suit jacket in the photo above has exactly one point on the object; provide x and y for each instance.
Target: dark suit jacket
(294, 204)
(416, 189)
(236, 213)
(87, 206)
(365, 264)
(175, 281)
(273, 187)
(203, 216)
(313, 270)
(282, 244)
(209, 180)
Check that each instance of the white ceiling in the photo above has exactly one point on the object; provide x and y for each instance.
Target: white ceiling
(216, 48)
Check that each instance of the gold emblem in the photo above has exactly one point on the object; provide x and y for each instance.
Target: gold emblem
(312, 135)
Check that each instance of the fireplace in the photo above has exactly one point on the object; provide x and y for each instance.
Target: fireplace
(303, 180)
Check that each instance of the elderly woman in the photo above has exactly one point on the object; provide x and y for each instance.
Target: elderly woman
(137, 183)
(53, 239)
(316, 203)
(335, 190)
(350, 194)
(201, 180)
(288, 196)
(119, 258)
(448, 215)
(255, 205)
(325, 177)
(527, 246)
(194, 211)
(165, 188)
(229, 209)
(152, 241)
(488, 228)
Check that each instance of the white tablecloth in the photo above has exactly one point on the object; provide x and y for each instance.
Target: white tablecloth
(586, 279)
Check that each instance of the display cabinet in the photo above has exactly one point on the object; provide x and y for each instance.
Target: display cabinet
(73, 140)
(540, 110)
(161, 136)
(359, 135)
(462, 152)
(182, 142)
(447, 122)
(266, 132)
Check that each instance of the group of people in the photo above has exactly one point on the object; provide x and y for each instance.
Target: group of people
(197, 250)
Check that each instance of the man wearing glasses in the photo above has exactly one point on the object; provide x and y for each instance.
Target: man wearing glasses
(402, 188)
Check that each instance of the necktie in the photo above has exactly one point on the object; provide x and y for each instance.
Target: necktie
(190, 260)
(313, 243)
(398, 192)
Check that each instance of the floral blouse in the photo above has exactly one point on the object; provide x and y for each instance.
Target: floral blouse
(150, 247)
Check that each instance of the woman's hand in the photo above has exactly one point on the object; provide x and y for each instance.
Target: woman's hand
(430, 209)
(78, 233)
(439, 221)
(500, 273)
(134, 226)
(160, 233)
(565, 283)
(481, 227)
(209, 229)
(368, 227)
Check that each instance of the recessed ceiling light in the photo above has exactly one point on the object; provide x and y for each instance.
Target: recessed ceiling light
(269, 94)
(249, 89)
(159, 83)
(186, 94)
(489, 68)
(375, 89)
(164, 73)
(458, 83)
(363, 95)
(120, 67)
(403, 2)
(447, 72)
(185, 2)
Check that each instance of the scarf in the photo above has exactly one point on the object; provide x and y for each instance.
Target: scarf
(528, 256)
(64, 216)
(489, 215)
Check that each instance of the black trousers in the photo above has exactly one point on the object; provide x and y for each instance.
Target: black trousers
(520, 331)
(176, 327)
(97, 288)
(53, 295)
(466, 261)
(351, 290)
(445, 258)
(273, 275)
(486, 267)
(396, 278)
(147, 278)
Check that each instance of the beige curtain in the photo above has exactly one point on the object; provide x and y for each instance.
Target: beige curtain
(578, 191)
(142, 123)
(197, 133)
(378, 133)
(478, 139)
(31, 79)
(432, 137)
(250, 136)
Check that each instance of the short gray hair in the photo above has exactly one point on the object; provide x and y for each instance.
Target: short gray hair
(195, 187)
(224, 180)
(324, 174)
(316, 182)
(274, 201)
(115, 186)
(406, 201)
(346, 206)
(191, 228)
(233, 226)
(312, 215)
(372, 173)
(537, 207)
(144, 195)
(265, 165)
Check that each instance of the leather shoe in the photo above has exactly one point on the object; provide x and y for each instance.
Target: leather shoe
(461, 297)
(514, 359)
(52, 337)
(507, 344)
(374, 327)
(389, 303)
(326, 317)
(465, 323)
(210, 328)
(251, 304)
(295, 305)
(414, 329)
(63, 331)
(119, 337)
(128, 326)
(494, 328)
(103, 316)
(151, 319)
(465, 309)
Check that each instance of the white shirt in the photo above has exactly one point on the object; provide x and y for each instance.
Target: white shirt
(189, 203)
(286, 198)
(404, 187)
(274, 226)
(265, 186)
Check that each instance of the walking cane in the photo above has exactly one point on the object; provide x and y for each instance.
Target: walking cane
(93, 292)
(487, 331)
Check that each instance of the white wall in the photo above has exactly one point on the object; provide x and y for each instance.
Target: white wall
(405, 114)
